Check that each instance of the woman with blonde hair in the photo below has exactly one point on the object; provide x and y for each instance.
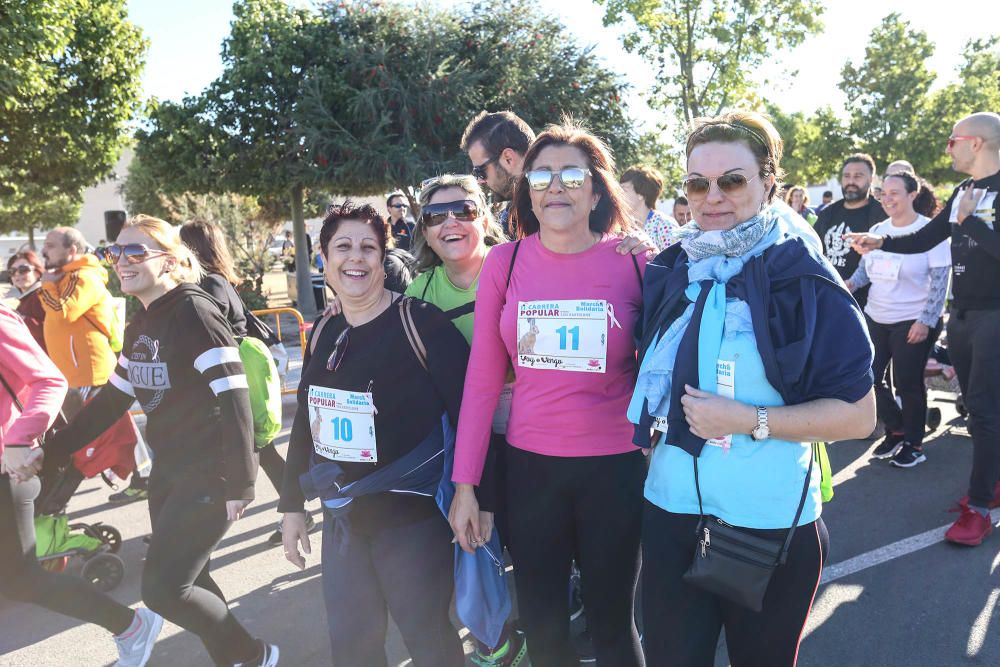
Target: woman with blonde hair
(181, 363)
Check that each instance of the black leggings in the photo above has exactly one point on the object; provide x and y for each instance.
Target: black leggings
(188, 516)
(583, 507)
(24, 580)
(682, 622)
(908, 362)
(406, 571)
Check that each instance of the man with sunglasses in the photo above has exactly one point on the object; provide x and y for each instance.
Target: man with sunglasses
(402, 231)
(78, 310)
(496, 144)
(856, 212)
(969, 218)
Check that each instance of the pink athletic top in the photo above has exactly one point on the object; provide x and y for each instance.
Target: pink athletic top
(33, 377)
(554, 412)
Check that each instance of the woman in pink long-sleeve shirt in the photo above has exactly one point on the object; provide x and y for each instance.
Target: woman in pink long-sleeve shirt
(560, 306)
(31, 392)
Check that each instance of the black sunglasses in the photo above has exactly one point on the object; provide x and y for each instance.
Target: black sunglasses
(479, 171)
(464, 210)
(698, 186)
(398, 206)
(339, 349)
(135, 253)
(24, 268)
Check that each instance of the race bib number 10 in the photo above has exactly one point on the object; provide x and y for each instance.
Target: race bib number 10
(563, 335)
(342, 425)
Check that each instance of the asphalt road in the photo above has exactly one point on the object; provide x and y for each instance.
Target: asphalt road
(934, 606)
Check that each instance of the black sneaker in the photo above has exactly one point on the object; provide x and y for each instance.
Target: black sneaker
(889, 446)
(908, 456)
(275, 538)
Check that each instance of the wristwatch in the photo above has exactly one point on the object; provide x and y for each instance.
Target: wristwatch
(761, 432)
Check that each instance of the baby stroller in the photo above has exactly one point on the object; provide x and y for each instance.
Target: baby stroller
(93, 545)
(939, 375)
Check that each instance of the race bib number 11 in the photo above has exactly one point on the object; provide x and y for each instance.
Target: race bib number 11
(342, 425)
(563, 335)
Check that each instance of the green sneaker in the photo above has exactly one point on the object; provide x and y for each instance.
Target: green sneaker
(513, 653)
(129, 495)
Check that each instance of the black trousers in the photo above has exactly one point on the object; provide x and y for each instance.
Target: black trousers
(908, 362)
(974, 348)
(22, 577)
(588, 508)
(682, 622)
(187, 511)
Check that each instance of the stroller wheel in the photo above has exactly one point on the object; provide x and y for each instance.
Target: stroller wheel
(933, 419)
(109, 535)
(104, 570)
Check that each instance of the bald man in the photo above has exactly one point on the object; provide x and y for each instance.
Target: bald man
(970, 219)
(898, 166)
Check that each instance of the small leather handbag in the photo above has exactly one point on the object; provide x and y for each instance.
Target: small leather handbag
(734, 563)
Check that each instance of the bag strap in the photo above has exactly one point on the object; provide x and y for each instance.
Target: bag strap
(510, 269)
(638, 273)
(412, 335)
(798, 512)
(17, 401)
(427, 285)
(317, 330)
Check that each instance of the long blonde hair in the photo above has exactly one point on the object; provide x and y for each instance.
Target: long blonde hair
(188, 269)
(425, 255)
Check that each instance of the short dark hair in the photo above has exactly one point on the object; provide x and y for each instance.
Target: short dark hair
(863, 158)
(828, 193)
(611, 215)
(497, 131)
(388, 200)
(348, 210)
(683, 201)
(646, 181)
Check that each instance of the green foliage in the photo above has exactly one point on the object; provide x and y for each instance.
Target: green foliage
(815, 145)
(386, 107)
(705, 52)
(69, 84)
(887, 90)
(658, 151)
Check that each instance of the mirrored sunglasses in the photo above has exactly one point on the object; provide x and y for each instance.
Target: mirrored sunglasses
(571, 177)
(464, 210)
(135, 253)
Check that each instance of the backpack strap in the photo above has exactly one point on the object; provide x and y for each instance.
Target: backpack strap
(13, 396)
(317, 330)
(510, 269)
(412, 335)
(427, 285)
(638, 273)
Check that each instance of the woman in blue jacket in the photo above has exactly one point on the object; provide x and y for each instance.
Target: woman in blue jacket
(751, 350)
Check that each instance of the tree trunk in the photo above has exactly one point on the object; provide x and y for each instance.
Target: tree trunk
(31, 238)
(303, 270)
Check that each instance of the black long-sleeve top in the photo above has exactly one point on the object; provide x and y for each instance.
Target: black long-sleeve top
(975, 246)
(181, 363)
(408, 400)
(229, 300)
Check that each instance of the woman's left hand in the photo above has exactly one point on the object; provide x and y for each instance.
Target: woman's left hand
(636, 244)
(714, 416)
(918, 333)
(234, 509)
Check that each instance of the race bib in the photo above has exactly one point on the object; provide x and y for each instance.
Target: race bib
(502, 414)
(563, 335)
(984, 209)
(725, 385)
(884, 266)
(342, 424)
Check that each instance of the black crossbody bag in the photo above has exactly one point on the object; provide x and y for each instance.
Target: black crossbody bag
(733, 563)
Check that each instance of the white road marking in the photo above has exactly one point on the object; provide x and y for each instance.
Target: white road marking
(977, 633)
(889, 552)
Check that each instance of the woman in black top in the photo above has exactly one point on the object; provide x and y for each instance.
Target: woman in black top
(367, 406)
(208, 244)
(181, 363)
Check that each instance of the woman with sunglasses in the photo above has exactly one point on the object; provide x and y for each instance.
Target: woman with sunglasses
(181, 363)
(26, 271)
(559, 306)
(371, 413)
(751, 349)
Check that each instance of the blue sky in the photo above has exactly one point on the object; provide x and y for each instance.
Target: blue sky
(186, 36)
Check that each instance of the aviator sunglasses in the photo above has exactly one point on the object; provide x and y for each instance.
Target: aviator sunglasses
(698, 186)
(23, 269)
(464, 210)
(135, 253)
(571, 177)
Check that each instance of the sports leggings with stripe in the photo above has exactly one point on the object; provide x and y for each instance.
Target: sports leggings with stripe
(682, 623)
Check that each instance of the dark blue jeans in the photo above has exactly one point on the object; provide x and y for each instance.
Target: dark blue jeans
(406, 571)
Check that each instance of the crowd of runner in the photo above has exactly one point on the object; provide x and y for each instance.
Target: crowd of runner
(571, 380)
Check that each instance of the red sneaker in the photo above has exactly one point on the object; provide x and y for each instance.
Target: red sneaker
(964, 502)
(970, 529)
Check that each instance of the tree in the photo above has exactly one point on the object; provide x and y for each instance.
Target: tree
(888, 88)
(814, 145)
(386, 108)
(69, 85)
(705, 52)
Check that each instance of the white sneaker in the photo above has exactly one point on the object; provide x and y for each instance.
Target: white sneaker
(137, 643)
(268, 659)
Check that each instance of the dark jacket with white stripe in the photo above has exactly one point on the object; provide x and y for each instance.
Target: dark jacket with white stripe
(181, 363)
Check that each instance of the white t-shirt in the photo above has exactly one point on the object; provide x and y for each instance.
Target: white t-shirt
(901, 283)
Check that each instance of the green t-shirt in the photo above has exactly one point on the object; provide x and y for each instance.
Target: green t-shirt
(435, 287)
